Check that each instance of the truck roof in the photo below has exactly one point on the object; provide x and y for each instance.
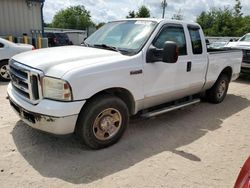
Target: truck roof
(161, 20)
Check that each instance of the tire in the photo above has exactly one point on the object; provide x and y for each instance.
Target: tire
(102, 122)
(4, 75)
(219, 90)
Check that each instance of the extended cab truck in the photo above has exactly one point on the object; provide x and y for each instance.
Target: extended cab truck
(126, 67)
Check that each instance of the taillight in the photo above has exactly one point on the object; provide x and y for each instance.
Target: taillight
(33, 48)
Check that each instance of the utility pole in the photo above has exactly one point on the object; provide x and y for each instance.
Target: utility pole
(164, 4)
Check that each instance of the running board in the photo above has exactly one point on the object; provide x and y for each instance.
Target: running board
(170, 108)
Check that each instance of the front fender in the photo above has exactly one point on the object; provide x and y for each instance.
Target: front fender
(87, 82)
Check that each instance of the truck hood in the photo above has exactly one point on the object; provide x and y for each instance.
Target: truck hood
(59, 60)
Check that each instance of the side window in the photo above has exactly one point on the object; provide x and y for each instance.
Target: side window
(196, 40)
(175, 34)
(1, 45)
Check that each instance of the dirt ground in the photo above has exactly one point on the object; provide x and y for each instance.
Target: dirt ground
(200, 146)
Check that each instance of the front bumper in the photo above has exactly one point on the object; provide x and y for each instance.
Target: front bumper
(49, 116)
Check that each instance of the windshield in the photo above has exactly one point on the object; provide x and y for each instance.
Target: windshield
(127, 36)
(246, 38)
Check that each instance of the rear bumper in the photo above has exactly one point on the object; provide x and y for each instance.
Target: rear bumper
(49, 116)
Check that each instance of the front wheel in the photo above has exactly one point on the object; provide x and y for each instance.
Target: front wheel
(102, 122)
(219, 90)
(4, 74)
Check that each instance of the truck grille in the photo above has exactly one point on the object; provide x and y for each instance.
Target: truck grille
(26, 81)
(246, 56)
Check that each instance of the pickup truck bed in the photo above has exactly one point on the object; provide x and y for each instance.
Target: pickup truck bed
(218, 59)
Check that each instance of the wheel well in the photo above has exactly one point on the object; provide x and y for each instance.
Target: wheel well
(121, 93)
(227, 71)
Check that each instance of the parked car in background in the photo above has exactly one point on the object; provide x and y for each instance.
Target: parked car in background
(243, 41)
(7, 50)
(244, 44)
(243, 180)
(58, 39)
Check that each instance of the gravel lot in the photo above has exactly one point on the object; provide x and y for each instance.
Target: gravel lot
(201, 146)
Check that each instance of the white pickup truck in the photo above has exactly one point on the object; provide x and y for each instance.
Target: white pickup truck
(127, 67)
(244, 44)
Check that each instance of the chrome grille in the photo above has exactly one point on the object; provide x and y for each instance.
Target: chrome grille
(26, 81)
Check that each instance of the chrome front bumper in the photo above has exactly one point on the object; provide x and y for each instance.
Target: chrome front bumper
(49, 116)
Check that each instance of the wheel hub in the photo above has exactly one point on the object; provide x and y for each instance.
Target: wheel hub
(4, 72)
(107, 124)
(222, 89)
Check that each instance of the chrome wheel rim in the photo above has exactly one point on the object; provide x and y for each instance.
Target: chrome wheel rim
(107, 124)
(4, 72)
(222, 89)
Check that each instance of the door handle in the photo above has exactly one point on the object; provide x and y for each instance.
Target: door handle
(189, 66)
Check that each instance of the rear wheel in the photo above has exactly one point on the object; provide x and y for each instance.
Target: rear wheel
(4, 74)
(102, 122)
(219, 90)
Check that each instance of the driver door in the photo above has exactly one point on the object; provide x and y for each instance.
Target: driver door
(166, 81)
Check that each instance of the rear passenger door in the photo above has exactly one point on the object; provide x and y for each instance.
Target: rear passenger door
(198, 59)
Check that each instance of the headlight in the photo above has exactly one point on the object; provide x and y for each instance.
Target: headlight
(56, 89)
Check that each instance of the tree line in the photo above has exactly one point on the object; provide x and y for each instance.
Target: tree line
(227, 21)
(224, 21)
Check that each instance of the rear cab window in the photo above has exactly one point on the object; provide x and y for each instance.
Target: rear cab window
(194, 32)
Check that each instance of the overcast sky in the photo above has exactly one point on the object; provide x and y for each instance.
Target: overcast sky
(108, 10)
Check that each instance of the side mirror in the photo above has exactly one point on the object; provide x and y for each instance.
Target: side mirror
(154, 54)
(170, 52)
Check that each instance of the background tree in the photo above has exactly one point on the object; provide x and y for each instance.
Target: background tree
(237, 9)
(238, 19)
(75, 17)
(217, 22)
(225, 22)
(131, 14)
(143, 12)
(100, 25)
(245, 26)
(47, 24)
(178, 16)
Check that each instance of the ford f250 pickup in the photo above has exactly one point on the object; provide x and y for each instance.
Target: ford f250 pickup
(127, 67)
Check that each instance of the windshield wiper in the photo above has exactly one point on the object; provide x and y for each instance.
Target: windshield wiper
(106, 47)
